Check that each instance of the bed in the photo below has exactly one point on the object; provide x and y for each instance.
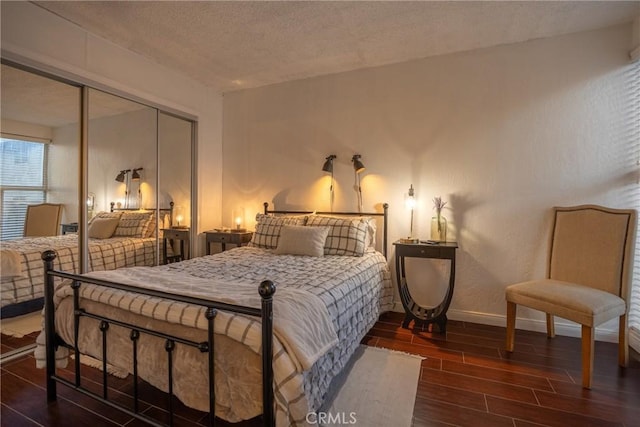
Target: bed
(124, 239)
(203, 319)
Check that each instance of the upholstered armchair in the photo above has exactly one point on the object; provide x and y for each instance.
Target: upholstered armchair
(588, 281)
(42, 220)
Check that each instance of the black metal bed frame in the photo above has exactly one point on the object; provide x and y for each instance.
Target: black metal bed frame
(265, 313)
(266, 289)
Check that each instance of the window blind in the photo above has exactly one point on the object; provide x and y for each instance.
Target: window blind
(23, 181)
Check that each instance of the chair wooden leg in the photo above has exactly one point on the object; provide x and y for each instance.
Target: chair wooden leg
(587, 355)
(623, 339)
(551, 328)
(511, 325)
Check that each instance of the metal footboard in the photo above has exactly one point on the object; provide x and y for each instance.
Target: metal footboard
(266, 290)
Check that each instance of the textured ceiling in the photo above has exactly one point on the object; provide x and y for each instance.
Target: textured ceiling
(242, 44)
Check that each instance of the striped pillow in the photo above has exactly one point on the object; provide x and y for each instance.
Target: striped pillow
(268, 228)
(347, 236)
(134, 224)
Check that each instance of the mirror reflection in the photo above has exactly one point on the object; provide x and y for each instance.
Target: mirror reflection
(39, 172)
(137, 200)
(174, 181)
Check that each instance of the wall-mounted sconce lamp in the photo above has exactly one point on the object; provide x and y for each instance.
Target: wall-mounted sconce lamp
(135, 176)
(358, 167)
(328, 164)
(328, 167)
(123, 177)
(357, 164)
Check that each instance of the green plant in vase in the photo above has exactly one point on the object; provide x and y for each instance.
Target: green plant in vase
(438, 222)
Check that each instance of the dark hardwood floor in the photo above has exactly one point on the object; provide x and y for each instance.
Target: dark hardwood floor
(467, 380)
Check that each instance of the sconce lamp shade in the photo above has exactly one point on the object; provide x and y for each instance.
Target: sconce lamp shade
(121, 175)
(357, 164)
(135, 176)
(328, 164)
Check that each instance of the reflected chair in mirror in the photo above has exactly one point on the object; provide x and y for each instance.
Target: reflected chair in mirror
(590, 263)
(42, 220)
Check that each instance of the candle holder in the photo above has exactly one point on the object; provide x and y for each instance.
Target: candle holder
(179, 220)
(238, 221)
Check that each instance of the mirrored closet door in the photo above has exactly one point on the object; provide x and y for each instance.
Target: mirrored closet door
(39, 170)
(115, 177)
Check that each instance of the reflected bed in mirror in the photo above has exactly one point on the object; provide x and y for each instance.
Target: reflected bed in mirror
(121, 238)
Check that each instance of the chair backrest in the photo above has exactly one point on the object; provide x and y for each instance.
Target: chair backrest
(593, 246)
(42, 220)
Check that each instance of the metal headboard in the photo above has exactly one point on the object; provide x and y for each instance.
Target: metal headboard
(384, 214)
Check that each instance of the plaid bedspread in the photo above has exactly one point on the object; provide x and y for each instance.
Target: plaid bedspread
(355, 291)
(104, 254)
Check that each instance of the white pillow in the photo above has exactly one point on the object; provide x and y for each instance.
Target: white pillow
(300, 240)
(103, 228)
(268, 229)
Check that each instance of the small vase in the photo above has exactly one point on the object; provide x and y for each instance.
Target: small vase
(439, 228)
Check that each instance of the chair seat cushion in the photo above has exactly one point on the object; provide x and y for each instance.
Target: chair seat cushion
(581, 304)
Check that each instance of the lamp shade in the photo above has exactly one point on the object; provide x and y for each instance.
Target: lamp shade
(328, 164)
(357, 164)
(135, 175)
(120, 177)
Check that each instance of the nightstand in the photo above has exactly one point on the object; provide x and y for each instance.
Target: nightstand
(173, 234)
(69, 228)
(237, 238)
(413, 311)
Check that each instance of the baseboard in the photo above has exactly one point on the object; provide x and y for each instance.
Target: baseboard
(562, 327)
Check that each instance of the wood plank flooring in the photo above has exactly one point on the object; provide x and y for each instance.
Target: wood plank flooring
(467, 380)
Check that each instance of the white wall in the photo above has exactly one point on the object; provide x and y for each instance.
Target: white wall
(502, 134)
(33, 36)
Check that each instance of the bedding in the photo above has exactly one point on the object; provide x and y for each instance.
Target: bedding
(323, 307)
(22, 280)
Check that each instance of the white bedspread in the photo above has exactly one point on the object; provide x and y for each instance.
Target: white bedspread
(300, 319)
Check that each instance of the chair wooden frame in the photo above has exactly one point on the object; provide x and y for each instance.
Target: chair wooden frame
(583, 277)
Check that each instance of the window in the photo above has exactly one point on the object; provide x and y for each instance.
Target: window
(23, 181)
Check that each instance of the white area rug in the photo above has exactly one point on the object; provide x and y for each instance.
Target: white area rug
(377, 389)
(20, 326)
